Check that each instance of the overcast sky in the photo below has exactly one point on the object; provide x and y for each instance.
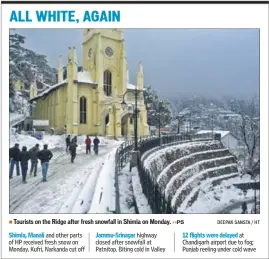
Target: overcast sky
(177, 62)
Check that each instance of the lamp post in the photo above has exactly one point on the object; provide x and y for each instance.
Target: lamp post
(179, 120)
(255, 196)
(255, 192)
(159, 122)
(212, 111)
(135, 113)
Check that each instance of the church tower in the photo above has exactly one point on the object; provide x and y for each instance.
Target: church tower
(105, 58)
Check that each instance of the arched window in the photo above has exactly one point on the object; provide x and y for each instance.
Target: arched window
(107, 83)
(64, 73)
(83, 110)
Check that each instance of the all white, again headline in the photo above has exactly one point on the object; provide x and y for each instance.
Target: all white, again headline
(64, 16)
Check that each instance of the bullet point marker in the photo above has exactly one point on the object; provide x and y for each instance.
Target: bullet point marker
(10, 222)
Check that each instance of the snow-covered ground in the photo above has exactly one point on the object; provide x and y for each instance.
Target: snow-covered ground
(104, 199)
(70, 187)
(131, 192)
(222, 198)
(19, 107)
(15, 118)
(88, 185)
(53, 141)
(215, 199)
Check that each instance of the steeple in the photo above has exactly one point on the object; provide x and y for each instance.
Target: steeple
(75, 57)
(75, 64)
(60, 70)
(127, 76)
(33, 89)
(72, 63)
(140, 77)
(70, 55)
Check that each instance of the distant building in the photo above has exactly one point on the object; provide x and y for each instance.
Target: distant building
(227, 138)
(165, 130)
(153, 130)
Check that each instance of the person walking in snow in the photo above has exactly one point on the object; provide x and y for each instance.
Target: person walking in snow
(14, 153)
(67, 142)
(73, 149)
(96, 143)
(45, 156)
(88, 145)
(34, 159)
(23, 158)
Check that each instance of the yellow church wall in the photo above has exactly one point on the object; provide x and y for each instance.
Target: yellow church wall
(90, 63)
(57, 106)
(52, 107)
(86, 91)
(61, 109)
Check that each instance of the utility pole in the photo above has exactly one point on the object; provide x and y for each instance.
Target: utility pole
(255, 195)
(159, 108)
(135, 122)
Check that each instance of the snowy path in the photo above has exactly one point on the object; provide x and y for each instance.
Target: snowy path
(236, 207)
(63, 178)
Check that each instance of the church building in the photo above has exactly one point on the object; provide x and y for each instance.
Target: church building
(89, 102)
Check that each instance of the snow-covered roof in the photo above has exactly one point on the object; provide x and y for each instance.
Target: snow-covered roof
(221, 132)
(46, 85)
(50, 89)
(132, 87)
(85, 77)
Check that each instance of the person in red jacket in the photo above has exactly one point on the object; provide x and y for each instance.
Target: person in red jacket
(88, 145)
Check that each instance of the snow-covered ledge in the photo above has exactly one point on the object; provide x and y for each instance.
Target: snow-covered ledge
(104, 200)
(180, 169)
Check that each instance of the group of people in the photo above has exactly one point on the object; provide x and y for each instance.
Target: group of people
(20, 158)
(71, 146)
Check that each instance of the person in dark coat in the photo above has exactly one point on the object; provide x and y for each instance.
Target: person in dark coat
(74, 139)
(73, 150)
(45, 156)
(96, 143)
(67, 142)
(34, 159)
(88, 145)
(23, 158)
(14, 153)
(244, 208)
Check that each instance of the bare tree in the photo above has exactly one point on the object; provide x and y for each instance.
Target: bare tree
(249, 127)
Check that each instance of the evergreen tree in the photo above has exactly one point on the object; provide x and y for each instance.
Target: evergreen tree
(158, 109)
(16, 58)
(25, 64)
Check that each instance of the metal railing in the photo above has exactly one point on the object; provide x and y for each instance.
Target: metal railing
(158, 203)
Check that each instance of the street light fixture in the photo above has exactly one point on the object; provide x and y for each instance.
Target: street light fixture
(179, 118)
(135, 112)
(212, 112)
(123, 105)
(255, 196)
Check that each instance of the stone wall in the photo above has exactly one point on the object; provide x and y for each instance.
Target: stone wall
(181, 169)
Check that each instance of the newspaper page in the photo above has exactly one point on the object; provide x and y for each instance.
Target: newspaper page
(134, 130)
